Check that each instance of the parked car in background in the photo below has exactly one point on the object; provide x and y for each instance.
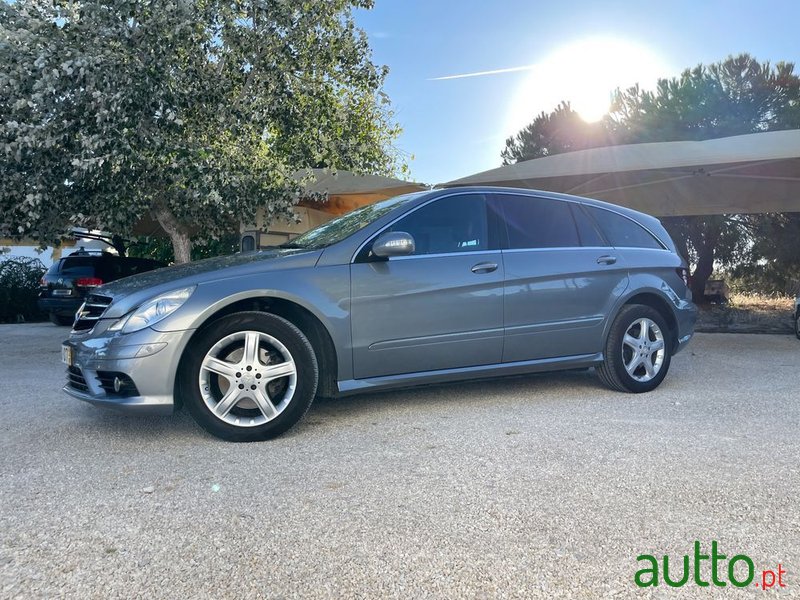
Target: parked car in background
(422, 288)
(797, 317)
(66, 284)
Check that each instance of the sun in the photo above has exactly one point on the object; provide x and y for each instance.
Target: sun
(584, 73)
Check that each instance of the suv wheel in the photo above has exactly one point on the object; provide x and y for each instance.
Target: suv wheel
(637, 355)
(249, 376)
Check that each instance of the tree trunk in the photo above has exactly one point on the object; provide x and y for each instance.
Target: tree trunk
(178, 233)
(704, 236)
(703, 270)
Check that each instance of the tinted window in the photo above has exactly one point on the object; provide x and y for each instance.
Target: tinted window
(77, 266)
(452, 224)
(587, 231)
(538, 223)
(621, 231)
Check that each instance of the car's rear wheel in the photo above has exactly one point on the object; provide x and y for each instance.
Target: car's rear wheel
(249, 376)
(61, 320)
(637, 352)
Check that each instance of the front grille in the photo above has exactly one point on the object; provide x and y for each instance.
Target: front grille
(75, 379)
(91, 311)
(126, 385)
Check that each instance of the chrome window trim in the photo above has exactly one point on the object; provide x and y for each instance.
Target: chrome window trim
(443, 254)
(595, 248)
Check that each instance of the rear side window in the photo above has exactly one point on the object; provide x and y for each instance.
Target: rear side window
(587, 230)
(452, 224)
(623, 232)
(538, 222)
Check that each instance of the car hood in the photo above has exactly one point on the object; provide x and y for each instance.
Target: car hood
(129, 292)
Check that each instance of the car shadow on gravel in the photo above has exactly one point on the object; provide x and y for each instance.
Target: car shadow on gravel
(490, 392)
(178, 425)
(337, 412)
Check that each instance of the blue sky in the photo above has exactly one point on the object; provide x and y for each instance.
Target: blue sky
(456, 127)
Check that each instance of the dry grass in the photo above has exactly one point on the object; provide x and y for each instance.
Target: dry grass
(762, 302)
(748, 313)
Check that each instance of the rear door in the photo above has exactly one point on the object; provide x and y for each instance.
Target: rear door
(561, 279)
(441, 307)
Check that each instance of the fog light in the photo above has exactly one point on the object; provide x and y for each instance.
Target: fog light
(117, 384)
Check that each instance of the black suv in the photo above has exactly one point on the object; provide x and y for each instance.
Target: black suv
(67, 283)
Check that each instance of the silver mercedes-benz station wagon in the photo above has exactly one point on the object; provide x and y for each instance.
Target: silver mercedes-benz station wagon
(423, 288)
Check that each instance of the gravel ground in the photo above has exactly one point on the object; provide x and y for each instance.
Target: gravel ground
(541, 486)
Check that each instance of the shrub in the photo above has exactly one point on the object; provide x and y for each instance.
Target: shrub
(19, 288)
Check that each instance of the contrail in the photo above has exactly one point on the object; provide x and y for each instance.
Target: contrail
(482, 73)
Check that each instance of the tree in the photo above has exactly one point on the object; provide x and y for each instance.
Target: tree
(192, 112)
(562, 130)
(773, 257)
(736, 96)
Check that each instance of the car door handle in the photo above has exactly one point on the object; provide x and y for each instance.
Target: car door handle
(606, 260)
(486, 267)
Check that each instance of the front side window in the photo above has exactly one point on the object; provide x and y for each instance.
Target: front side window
(538, 222)
(453, 224)
(622, 232)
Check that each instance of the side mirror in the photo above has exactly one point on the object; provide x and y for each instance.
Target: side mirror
(393, 243)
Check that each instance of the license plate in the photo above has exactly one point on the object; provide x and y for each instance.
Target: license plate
(67, 355)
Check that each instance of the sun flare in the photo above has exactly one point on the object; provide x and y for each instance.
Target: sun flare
(584, 73)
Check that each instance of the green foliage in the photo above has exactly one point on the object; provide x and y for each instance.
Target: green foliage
(736, 96)
(160, 248)
(562, 130)
(772, 261)
(196, 112)
(19, 288)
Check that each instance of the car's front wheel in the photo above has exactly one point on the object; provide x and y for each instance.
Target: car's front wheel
(637, 352)
(249, 376)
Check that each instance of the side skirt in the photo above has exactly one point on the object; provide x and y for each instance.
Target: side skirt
(582, 361)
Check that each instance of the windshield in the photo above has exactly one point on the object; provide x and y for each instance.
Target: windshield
(341, 227)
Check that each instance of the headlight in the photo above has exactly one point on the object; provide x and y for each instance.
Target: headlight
(153, 311)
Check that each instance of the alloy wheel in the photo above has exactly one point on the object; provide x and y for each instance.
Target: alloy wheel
(643, 349)
(247, 378)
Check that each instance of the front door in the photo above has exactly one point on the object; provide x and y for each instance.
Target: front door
(439, 308)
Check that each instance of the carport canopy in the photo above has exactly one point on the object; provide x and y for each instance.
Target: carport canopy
(754, 173)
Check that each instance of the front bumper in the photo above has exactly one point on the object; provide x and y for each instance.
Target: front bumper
(148, 359)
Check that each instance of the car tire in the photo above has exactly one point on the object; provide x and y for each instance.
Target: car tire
(638, 350)
(61, 320)
(267, 359)
(797, 325)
